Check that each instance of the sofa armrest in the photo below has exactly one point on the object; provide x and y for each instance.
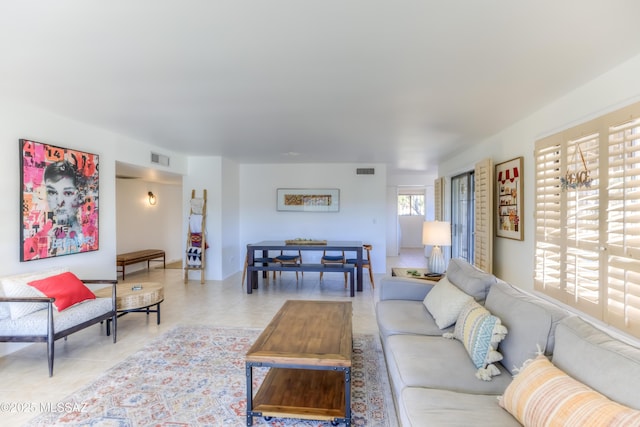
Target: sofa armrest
(402, 288)
(27, 299)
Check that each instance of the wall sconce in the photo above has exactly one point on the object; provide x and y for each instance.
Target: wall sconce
(436, 233)
(152, 198)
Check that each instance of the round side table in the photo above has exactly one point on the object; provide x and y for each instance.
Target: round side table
(135, 298)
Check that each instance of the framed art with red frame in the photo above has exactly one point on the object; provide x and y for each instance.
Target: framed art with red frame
(509, 198)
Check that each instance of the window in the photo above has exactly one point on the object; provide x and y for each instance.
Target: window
(587, 218)
(411, 204)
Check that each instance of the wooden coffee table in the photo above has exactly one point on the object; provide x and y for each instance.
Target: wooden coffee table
(307, 346)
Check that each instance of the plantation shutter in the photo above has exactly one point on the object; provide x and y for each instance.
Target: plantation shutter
(623, 226)
(438, 201)
(548, 224)
(587, 218)
(483, 238)
(582, 222)
(567, 219)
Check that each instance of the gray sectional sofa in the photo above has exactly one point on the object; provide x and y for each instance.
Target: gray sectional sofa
(433, 378)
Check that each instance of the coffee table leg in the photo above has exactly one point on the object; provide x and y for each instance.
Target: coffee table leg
(249, 374)
(347, 393)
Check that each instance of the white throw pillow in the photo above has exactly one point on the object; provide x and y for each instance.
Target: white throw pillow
(17, 286)
(445, 302)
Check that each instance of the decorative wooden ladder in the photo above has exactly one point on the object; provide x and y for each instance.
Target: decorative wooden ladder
(196, 236)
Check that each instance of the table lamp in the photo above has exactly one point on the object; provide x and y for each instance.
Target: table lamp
(436, 234)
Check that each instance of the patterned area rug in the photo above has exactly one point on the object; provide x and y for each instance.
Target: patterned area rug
(195, 376)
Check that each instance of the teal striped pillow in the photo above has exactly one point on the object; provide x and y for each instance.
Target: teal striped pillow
(481, 333)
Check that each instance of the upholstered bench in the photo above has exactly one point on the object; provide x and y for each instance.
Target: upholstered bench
(322, 268)
(129, 258)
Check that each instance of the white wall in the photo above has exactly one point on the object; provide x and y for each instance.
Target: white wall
(138, 153)
(20, 121)
(393, 232)
(230, 250)
(411, 231)
(513, 260)
(142, 226)
(206, 173)
(362, 214)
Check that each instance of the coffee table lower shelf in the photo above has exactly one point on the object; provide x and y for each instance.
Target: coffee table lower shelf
(309, 394)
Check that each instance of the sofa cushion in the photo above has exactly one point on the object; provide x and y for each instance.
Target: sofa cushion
(5, 313)
(445, 302)
(544, 395)
(419, 406)
(404, 288)
(598, 360)
(481, 333)
(531, 322)
(35, 324)
(405, 317)
(470, 279)
(66, 288)
(436, 362)
(16, 286)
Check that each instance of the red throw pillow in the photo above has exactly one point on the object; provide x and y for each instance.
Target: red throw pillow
(66, 288)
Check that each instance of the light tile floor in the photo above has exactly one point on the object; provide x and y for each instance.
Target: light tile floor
(88, 353)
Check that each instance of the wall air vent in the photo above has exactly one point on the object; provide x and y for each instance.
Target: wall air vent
(159, 159)
(365, 171)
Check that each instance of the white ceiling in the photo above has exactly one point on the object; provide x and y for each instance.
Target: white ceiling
(275, 81)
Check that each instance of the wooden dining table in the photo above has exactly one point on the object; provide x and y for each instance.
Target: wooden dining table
(281, 245)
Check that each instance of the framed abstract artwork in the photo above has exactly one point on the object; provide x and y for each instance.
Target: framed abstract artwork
(509, 199)
(59, 201)
(308, 200)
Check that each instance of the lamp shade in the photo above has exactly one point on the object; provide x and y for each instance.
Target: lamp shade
(436, 233)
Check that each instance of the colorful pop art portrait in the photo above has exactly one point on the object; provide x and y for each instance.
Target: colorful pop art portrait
(59, 188)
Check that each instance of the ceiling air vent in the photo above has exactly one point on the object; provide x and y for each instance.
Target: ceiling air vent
(365, 171)
(159, 159)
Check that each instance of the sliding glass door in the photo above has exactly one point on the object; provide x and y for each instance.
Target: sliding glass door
(462, 216)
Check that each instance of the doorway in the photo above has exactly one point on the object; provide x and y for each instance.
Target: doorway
(141, 224)
(411, 216)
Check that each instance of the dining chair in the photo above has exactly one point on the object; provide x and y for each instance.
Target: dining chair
(288, 259)
(366, 262)
(333, 259)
